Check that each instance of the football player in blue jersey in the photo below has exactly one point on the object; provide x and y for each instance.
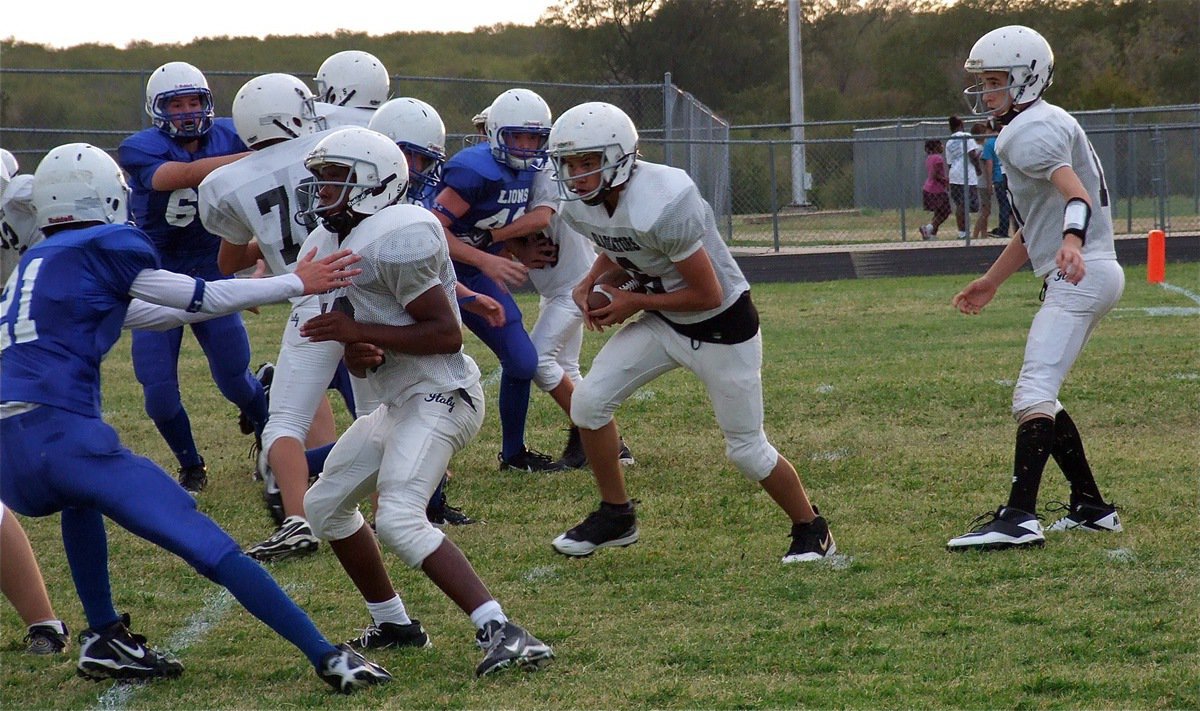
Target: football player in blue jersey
(165, 164)
(484, 189)
(61, 311)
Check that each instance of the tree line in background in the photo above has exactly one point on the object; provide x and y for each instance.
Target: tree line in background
(862, 58)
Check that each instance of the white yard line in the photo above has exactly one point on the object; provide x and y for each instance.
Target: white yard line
(215, 607)
(1180, 290)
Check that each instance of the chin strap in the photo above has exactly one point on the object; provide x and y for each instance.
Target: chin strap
(342, 222)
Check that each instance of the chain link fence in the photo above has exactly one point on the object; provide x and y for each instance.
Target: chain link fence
(862, 182)
(865, 178)
(44, 108)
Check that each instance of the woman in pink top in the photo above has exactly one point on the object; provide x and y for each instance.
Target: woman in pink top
(935, 197)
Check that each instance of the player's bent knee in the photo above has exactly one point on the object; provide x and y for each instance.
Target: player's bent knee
(753, 455)
(1045, 408)
(549, 375)
(284, 425)
(413, 538)
(329, 520)
(589, 408)
(162, 402)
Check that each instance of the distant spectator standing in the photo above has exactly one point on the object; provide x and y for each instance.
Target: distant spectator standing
(980, 132)
(989, 160)
(964, 193)
(933, 193)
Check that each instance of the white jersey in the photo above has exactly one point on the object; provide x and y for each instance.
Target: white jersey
(575, 252)
(404, 254)
(1038, 141)
(258, 197)
(343, 116)
(958, 165)
(660, 219)
(18, 223)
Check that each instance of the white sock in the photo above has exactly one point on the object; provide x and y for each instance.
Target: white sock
(56, 624)
(487, 612)
(389, 611)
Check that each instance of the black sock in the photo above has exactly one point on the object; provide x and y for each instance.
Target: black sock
(1035, 440)
(625, 508)
(1068, 454)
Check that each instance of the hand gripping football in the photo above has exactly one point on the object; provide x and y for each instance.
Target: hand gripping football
(616, 280)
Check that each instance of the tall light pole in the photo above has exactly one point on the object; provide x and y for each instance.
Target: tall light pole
(796, 85)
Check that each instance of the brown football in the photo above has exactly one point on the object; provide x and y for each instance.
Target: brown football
(618, 279)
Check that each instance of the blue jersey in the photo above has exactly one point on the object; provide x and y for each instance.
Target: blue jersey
(62, 311)
(496, 193)
(171, 218)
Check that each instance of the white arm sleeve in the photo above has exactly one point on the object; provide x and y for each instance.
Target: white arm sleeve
(145, 316)
(159, 286)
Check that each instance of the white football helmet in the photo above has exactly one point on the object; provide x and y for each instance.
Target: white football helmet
(78, 182)
(479, 121)
(378, 174)
(8, 168)
(1015, 49)
(8, 162)
(416, 127)
(274, 106)
(353, 78)
(179, 79)
(517, 111)
(594, 127)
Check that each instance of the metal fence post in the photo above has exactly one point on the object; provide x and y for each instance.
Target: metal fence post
(774, 195)
(900, 173)
(668, 116)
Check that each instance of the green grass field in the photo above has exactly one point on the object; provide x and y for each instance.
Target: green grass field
(894, 408)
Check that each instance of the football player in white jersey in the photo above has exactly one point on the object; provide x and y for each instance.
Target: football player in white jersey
(558, 257)
(405, 310)
(1060, 201)
(350, 86)
(18, 219)
(251, 207)
(650, 220)
(417, 128)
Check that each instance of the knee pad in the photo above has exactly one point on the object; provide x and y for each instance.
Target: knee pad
(162, 401)
(285, 424)
(1045, 408)
(327, 520)
(590, 409)
(408, 534)
(752, 454)
(549, 374)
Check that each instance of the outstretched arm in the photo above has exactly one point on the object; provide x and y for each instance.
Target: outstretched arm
(201, 299)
